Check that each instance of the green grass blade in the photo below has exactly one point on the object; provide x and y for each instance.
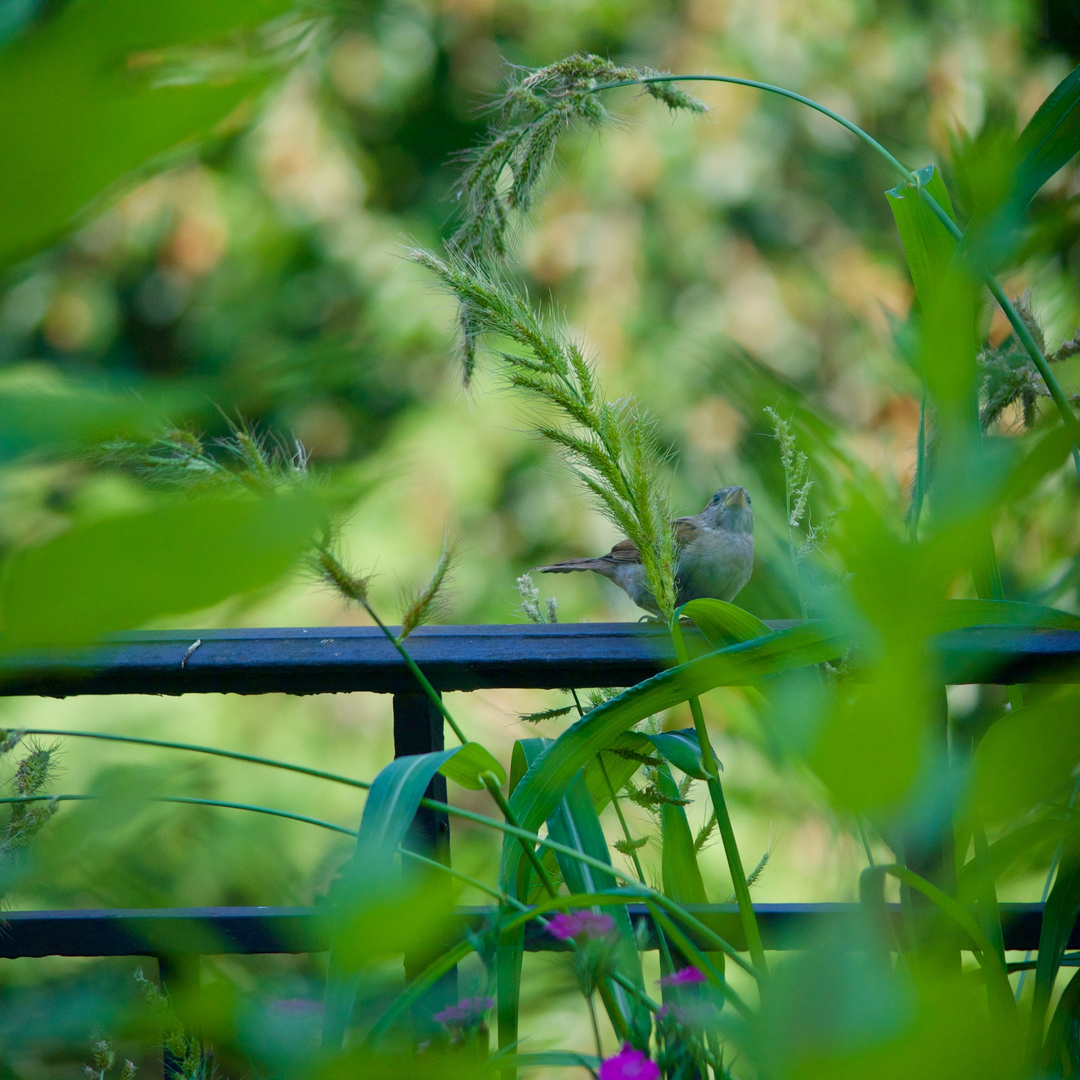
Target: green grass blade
(508, 995)
(720, 622)
(540, 790)
(118, 572)
(1059, 917)
(1051, 138)
(1061, 1050)
(388, 813)
(575, 823)
(958, 614)
(928, 246)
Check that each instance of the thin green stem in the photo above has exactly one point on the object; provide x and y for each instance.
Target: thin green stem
(865, 843)
(197, 749)
(665, 951)
(492, 784)
(192, 801)
(434, 864)
(421, 678)
(611, 1007)
(996, 977)
(595, 1025)
(918, 488)
(723, 819)
(1010, 312)
(855, 130)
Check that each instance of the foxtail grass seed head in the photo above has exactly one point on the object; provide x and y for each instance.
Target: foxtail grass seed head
(245, 458)
(350, 586)
(613, 448)
(428, 600)
(502, 176)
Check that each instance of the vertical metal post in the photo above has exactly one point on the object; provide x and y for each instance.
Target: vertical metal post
(418, 729)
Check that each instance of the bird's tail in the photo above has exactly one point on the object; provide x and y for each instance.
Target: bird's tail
(568, 566)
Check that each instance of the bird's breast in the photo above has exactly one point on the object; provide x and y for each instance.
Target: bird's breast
(716, 563)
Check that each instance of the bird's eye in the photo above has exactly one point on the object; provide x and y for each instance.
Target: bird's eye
(748, 502)
(716, 497)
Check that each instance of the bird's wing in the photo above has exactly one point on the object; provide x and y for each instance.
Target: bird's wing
(686, 529)
(625, 551)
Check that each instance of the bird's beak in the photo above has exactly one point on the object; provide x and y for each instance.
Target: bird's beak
(737, 498)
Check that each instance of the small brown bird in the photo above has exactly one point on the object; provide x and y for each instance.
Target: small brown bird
(715, 554)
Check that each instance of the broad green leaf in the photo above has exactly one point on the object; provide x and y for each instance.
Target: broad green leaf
(720, 621)
(119, 572)
(858, 1017)
(526, 752)
(681, 748)
(1051, 138)
(1059, 917)
(679, 867)
(946, 296)
(1027, 758)
(960, 613)
(1061, 1051)
(928, 246)
(85, 98)
(680, 873)
(469, 763)
(541, 788)
(67, 417)
(1030, 843)
(508, 961)
(575, 823)
(389, 811)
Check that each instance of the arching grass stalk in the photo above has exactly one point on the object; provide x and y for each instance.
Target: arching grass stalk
(191, 800)
(723, 819)
(194, 748)
(1023, 334)
(539, 106)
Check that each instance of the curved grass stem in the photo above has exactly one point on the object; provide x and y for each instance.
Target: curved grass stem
(1019, 328)
(192, 801)
(195, 748)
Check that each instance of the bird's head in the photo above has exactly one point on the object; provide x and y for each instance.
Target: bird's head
(729, 509)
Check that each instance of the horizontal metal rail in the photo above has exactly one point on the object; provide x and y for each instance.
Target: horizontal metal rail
(265, 930)
(321, 660)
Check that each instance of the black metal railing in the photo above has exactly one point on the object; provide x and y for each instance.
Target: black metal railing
(349, 659)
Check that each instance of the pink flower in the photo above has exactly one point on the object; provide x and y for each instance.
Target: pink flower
(467, 1011)
(628, 1064)
(686, 976)
(571, 924)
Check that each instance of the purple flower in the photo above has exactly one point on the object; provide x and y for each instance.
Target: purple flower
(571, 924)
(686, 976)
(628, 1064)
(466, 1012)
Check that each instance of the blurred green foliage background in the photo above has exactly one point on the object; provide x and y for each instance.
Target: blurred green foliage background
(204, 213)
